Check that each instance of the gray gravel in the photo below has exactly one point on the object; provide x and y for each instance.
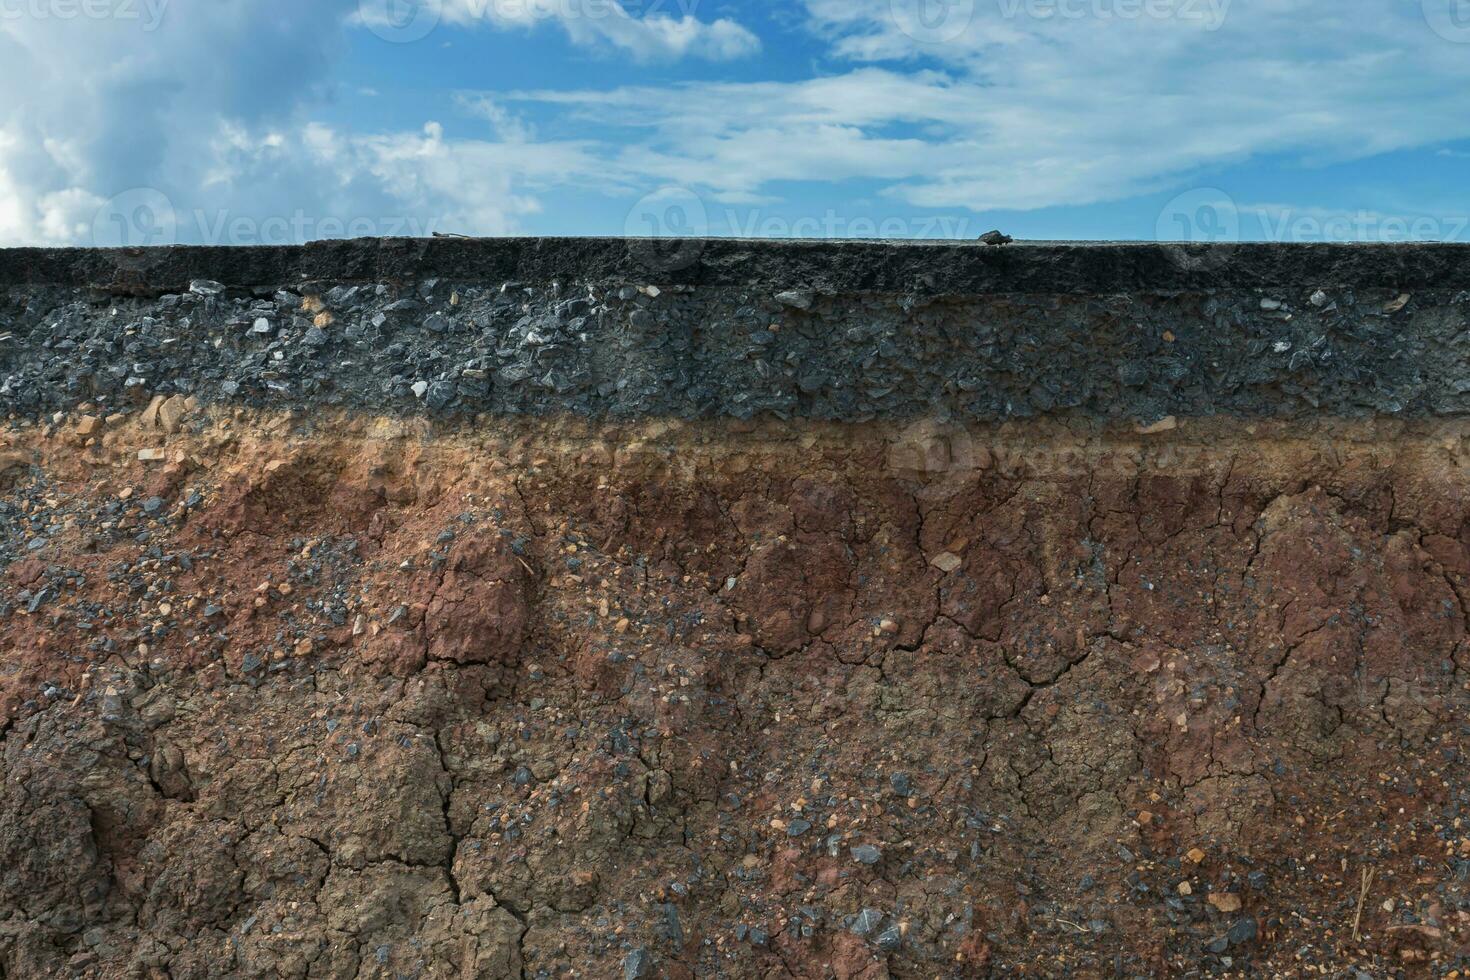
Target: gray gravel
(618, 347)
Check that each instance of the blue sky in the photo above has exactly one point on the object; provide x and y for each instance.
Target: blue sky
(250, 121)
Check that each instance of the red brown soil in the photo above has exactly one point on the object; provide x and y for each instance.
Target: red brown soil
(363, 698)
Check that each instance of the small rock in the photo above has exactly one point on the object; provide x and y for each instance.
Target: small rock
(1224, 901)
(801, 299)
(151, 455)
(440, 395)
(1319, 299)
(1166, 424)
(637, 964)
(262, 326)
(866, 854)
(1244, 931)
(996, 237)
(891, 938)
(149, 418)
(867, 920)
(946, 561)
(171, 413)
(420, 388)
(206, 287)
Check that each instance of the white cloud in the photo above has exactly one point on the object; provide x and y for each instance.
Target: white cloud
(1029, 104)
(202, 130)
(1038, 103)
(107, 104)
(654, 36)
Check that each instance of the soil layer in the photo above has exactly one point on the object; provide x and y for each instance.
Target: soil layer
(289, 694)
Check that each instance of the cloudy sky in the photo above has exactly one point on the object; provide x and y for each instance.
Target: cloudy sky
(247, 121)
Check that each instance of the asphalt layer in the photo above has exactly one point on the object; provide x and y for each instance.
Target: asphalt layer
(917, 267)
(718, 328)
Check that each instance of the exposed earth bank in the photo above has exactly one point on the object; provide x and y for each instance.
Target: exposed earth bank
(552, 608)
(326, 696)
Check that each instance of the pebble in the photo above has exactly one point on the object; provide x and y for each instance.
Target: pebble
(866, 921)
(800, 299)
(946, 561)
(891, 938)
(637, 964)
(1166, 424)
(1224, 901)
(866, 854)
(1243, 931)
